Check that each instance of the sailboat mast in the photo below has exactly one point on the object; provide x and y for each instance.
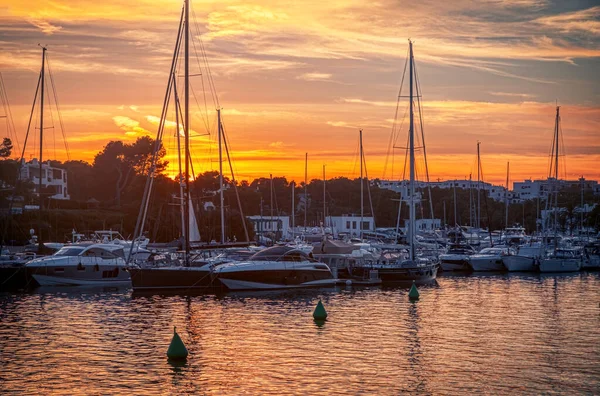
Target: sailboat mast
(556, 132)
(180, 177)
(324, 206)
(455, 218)
(41, 198)
(412, 159)
(362, 212)
(293, 208)
(187, 128)
(220, 133)
(506, 195)
(305, 189)
(478, 188)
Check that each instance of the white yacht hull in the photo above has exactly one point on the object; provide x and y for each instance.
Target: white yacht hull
(234, 284)
(560, 265)
(46, 280)
(493, 263)
(515, 263)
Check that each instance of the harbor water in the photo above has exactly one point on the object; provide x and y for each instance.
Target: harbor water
(493, 334)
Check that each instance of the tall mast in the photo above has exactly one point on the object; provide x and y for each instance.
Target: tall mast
(362, 212)
(220, 129)
(506, 195)
(305, 189)
(556, 132)
(455, 218)
(40, 244)
(582, 208)
(271, 204)
(324, 206)
(181, 184)
(293, 209)
(478, 188)
(471, 200)
(187, 129)
(412, 159)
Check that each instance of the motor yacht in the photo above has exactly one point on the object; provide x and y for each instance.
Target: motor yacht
(489, 259)
(278, 267)
(456, 258)
(81, 264)
(561, 260)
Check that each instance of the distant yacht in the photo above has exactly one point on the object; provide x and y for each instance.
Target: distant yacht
(278, 267)
(81, 265)
(489, 259)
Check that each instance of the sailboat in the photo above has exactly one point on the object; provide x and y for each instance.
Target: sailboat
(558, 260)
(403, 269)
(156, 272)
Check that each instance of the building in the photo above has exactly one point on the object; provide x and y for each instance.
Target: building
(533, 189)
(54, 178)
(425, 224)
(275, 227)
(350, 224)
(497, 193)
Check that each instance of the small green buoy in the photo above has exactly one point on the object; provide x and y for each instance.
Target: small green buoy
(177, 350)
(413, 294)
(320, 313)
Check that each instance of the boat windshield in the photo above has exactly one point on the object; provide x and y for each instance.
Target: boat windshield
(69, 251)
(491, 251)
(281, 253)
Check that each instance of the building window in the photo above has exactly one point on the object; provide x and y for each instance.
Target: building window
(354, 225)
(348, 225)
(366, 225)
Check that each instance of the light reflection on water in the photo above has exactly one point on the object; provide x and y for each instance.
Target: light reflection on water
(492, 334)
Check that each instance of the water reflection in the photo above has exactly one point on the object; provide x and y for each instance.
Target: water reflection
(510, 333)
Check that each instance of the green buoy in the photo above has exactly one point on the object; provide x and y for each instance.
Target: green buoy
(177, 351)
(413, 294)
(320, 313)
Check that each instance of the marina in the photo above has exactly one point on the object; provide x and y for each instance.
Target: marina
(299, 198)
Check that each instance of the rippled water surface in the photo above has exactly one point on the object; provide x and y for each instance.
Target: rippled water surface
(478, 334)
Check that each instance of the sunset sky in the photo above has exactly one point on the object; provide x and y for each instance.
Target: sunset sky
(304, 76)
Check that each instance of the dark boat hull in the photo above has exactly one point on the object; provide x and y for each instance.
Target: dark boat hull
(15, 277)
(173, 278)
(392, 275)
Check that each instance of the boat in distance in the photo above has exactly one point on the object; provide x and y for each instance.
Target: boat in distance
(278, 267)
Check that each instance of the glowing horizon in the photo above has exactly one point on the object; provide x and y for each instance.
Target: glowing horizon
(296, 78)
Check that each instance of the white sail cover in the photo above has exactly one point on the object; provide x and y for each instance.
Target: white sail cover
(194, 232)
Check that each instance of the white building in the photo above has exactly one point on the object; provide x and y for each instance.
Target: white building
(351, 224)
(425, 224)
(533, 189)
(55, 178)
(497, 193)
(276, 227)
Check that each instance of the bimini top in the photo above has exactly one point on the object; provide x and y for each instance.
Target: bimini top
(281, 253)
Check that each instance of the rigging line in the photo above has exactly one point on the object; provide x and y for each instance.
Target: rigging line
(394, 124)
(206, 120)
(421, 122)
(368, 188)
(405, 156)
(51, 120)
(157, 144)
(56, 104)
(355, 156)
(205, 59)
(8, 112)
(564, 152)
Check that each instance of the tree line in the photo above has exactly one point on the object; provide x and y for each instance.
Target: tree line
(107, 194)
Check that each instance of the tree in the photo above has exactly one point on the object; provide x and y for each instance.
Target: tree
(6, 148)
(118, 163)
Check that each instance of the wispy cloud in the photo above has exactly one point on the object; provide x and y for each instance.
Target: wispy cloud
(314, 76)
(131, 127)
